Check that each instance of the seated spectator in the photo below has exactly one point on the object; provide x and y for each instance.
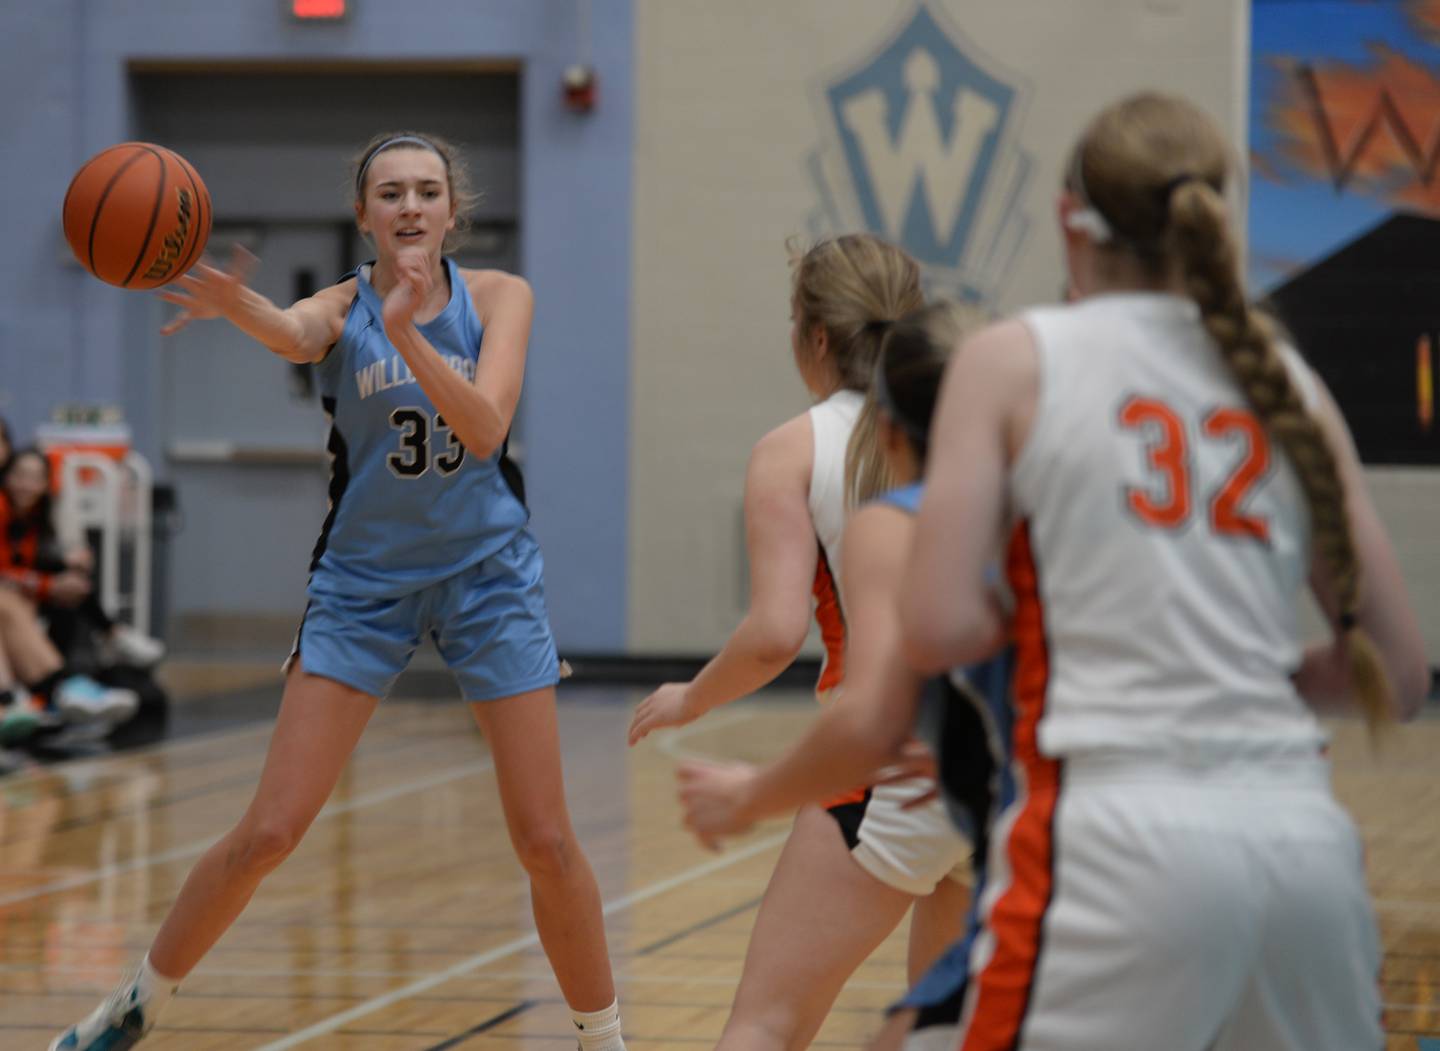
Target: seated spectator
(37, 575)
(20, 713)
(60, 573)
(38, 671)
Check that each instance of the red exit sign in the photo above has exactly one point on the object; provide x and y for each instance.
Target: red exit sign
(319, 10)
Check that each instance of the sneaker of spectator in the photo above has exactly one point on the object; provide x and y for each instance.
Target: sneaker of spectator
(19, 717)
(80, 699)
(128, 646)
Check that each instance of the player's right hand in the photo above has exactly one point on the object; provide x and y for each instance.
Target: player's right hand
(207, 291)
(716, 798)
(667, 706)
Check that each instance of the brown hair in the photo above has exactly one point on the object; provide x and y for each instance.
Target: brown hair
(463, 197)
(855, 287)
(913, 356)
(1154, 167)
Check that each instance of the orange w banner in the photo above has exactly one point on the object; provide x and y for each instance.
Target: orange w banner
(1345, 204)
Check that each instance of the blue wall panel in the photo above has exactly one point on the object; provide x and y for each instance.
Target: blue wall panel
(66, 337)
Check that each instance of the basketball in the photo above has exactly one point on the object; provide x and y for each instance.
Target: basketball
(137, 215)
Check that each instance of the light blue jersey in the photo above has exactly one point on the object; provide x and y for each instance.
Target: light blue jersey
(424, 539)
(966, 717)
(409, 505)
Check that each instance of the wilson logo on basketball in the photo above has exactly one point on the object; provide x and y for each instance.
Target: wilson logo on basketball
(174, 242)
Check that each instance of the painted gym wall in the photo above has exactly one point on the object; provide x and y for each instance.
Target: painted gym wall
(1343, 230)
(758, 121)
(65, 337)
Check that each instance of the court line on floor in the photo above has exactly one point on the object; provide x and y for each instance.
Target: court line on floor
(516, 945)
(666, 744)
(199, 846)
(485, 1026)
(95, 766)
(666, 740)
(696, 928)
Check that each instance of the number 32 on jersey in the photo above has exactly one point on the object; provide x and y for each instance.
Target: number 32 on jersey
(1168, 499)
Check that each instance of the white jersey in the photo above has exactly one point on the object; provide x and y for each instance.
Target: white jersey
(832, 422)
(1161, 545)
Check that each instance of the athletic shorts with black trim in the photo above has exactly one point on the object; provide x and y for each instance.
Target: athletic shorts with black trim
(488, 622)
(910, 850)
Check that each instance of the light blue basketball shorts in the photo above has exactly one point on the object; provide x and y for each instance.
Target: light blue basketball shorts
(488, 622)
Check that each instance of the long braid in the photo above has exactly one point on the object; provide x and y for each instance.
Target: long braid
(1201, 243)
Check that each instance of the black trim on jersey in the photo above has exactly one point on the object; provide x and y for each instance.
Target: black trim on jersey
(339, 480)
(510, 471)
(849, 816)
(968, 772)
(300, 633)
(945, 1013)
(353, 300)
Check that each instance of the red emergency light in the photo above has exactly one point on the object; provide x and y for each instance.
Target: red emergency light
(319, 10)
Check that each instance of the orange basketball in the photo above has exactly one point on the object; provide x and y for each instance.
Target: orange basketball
(137, 215)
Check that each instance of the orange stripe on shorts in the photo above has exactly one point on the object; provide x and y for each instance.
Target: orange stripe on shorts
(1001, 990)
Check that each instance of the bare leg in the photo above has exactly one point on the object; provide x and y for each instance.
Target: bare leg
(319, 723)
(937, 923)
(33, 655)
(525, 741)
(893, 1033)
(7, 670)
(822, 916)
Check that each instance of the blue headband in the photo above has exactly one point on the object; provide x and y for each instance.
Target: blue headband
(398, 140)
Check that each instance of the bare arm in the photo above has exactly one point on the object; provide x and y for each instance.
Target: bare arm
(1385, 611)
(479, 413)
(302, 333)
(948, 613)
(780, 539)
(857, 733)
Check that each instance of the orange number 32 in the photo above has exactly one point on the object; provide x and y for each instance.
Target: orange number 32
(1167, 454)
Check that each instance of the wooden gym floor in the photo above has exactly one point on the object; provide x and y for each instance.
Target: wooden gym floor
(402, 923)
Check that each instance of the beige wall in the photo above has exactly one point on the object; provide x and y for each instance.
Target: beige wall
(730, 110)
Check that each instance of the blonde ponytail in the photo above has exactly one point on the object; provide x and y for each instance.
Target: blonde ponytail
(1159, 163)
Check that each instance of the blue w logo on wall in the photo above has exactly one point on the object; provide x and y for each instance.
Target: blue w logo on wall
(921, 154)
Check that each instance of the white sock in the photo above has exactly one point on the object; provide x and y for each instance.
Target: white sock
(599, 1030)
(153, 989)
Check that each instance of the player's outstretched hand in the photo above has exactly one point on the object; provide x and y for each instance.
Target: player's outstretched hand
(716, 799)
(208, 291)
(667, 706)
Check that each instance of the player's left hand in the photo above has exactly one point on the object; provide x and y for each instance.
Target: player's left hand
(667, 706)
(414, 279)
(716, 799)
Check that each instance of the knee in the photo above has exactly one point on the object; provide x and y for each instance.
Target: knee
(546, 851)
(262, 846)
(12, 605)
